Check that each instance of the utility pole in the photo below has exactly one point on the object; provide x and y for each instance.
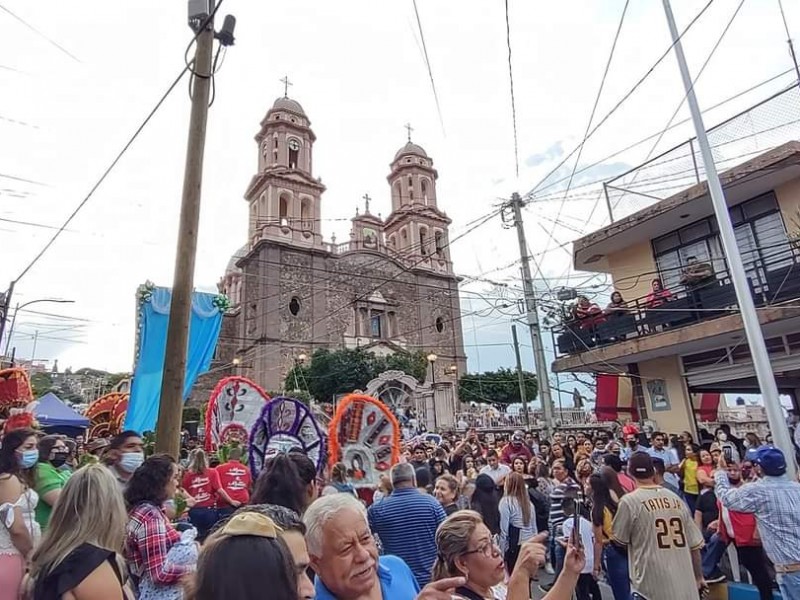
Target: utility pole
(533, 318)
(5, 305)
(170, 410)
(752, 328)
(523, 394)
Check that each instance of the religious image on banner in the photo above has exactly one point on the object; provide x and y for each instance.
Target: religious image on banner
(286, 424)
(365, 436)
(657, 388)
(233, 408)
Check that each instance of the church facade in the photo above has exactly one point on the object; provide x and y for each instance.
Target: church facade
(389, 288)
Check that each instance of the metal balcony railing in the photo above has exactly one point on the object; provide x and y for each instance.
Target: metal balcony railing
(771, 282)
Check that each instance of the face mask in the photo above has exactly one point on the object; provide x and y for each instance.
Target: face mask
(632, 443)
(59, 459)
(746, 444)
(722, 436)
(130, 461)
(27, 458)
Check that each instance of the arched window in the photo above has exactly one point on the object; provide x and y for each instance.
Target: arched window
(393, 241)
(283, 211)
(410, 189)
(294, 153)
(305, 214)
(423, 241)
(424, 188)
(403, 239)
(398, 193)
(438, 237)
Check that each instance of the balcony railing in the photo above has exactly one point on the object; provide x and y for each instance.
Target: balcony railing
(770, 283)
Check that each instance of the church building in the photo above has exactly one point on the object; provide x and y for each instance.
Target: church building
(389, 288)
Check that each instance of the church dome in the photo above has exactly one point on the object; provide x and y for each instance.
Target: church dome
(411, 148)
(240, 254)
(285, 103)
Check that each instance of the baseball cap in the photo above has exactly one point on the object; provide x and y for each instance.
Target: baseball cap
(517, 437)
(640, 465)
(771, 461)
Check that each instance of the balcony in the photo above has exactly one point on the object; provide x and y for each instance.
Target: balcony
(772, 284)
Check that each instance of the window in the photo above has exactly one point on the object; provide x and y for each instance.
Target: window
(294, 152)
(439, 324)
(294, 306)
(283, 211)
(423, 241)
(398, 193)
(760, 235)
(404, 239)
(410, 188)
(424, 188)
(305, 215)
(438, 237)
(375, 325)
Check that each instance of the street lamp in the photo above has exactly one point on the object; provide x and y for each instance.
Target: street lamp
(452, 370)
(19, 307)
(432, 358)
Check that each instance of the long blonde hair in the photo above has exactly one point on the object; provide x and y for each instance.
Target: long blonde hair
(452, 541)
(89, 510)
(198, 461)
(515, 488)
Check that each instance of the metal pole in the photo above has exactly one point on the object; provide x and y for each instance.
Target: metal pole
(694, 161)
(168, 428)
(11, 329)
(752, 328)
(6, 304)
(523, 394)
(533, 318)
(35, 342)
(608, 203)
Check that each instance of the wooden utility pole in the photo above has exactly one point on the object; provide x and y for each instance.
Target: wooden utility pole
(170, 410)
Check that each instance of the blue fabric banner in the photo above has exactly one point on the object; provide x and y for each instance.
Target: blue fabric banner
(153, 317)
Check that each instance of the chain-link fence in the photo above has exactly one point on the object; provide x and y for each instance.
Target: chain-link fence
(760, 128)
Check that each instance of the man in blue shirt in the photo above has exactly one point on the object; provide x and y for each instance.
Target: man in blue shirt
(406, 523)
(667, 456)
(345, 558)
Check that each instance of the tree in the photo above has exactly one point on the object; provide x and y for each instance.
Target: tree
(496, 387)
(41, 383)
(329, 373)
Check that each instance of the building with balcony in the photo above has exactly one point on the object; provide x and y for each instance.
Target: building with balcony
(688, 339)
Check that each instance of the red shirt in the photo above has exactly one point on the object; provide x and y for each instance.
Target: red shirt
(202, 487)
(234, 478)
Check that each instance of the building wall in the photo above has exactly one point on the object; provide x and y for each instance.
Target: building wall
(679, 417)
(632, 269)
(789, 200)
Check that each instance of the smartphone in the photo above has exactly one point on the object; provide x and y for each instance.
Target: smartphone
(728, 454)
(576, 524)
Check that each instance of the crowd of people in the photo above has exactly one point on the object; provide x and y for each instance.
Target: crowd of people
(457, 518)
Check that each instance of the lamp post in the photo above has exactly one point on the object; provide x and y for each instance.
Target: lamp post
(299, 361)
(19, 307)
(432, 358)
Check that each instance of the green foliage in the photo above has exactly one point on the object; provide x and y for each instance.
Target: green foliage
(496, 387)
(329, 373)
(41, 383)
(191, 413)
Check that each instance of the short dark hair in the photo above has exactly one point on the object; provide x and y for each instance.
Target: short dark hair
(491, 454)
(659, 466)
(118, 441)
(149, 482)
(421, 447)
(46, 445)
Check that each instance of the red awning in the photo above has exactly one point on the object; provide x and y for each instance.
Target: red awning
(615, 399)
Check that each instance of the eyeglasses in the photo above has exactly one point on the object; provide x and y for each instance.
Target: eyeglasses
(488, 550)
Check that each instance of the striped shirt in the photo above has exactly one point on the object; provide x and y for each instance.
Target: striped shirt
(775, 501)
(557, 494)
(406, 523)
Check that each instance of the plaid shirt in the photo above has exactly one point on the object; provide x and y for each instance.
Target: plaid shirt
(149, 536)
(775, 501)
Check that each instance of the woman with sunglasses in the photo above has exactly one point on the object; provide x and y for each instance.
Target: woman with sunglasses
(466, 549)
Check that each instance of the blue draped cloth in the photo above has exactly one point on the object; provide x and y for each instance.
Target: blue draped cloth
(204, 327)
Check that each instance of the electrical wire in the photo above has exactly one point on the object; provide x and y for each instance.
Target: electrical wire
(428, 63)
(622, 100)
(116, 160)
(40, 34)
(789, 41)
(513, 100)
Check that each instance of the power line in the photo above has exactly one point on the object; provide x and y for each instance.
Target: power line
(591, 120)
(789, 41)
(623, 99)
(121, 153)
(428, 63)
(40, 34)
(513, 101)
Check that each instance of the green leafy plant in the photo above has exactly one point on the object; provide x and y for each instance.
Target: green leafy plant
(496, 387)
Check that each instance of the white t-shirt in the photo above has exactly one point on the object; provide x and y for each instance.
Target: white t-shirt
(587, 540)
(496, 474)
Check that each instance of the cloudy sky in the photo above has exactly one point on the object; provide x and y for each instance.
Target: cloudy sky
(76, 88)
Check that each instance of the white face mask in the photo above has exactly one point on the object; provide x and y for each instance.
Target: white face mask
(722, 436)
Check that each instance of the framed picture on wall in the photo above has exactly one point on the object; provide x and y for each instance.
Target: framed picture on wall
(659, 399)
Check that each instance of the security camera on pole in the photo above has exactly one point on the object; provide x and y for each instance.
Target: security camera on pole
(168, 427)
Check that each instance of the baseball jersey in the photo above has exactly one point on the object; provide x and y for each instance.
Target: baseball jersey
(655, 525)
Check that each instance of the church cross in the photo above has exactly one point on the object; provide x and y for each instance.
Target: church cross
(409, 129)
(367, 200)
(286, 83)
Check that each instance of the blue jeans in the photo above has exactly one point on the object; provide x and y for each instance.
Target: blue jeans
(616, 565)
(559, 552)
(712, 553)
(790, 585)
